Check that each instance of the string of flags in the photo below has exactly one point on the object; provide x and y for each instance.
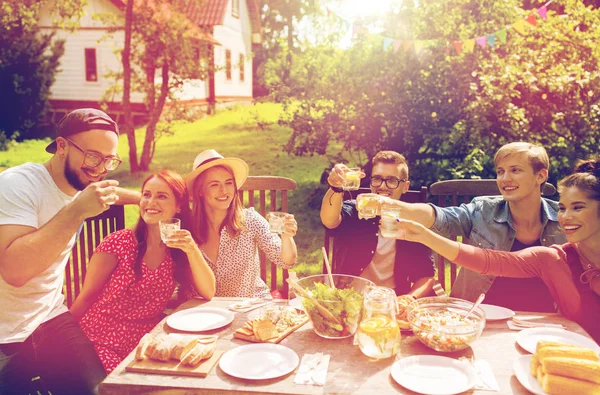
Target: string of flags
(491, 40)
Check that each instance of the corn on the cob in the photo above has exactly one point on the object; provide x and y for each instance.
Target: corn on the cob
(544, 343)
(558, 385)
(567, 352)
(534, 365)
(539, 374)
(572, 367)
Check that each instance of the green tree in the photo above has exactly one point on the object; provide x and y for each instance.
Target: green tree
(448, 113)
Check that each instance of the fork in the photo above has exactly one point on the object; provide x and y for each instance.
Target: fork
(529, 324)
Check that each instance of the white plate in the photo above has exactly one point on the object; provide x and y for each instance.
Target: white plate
(522, 368)
(495, 313)
(434, 375)
(200, 319)
(259, 361)
(529, 338)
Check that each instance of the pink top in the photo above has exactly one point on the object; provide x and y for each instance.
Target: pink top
(559, 266)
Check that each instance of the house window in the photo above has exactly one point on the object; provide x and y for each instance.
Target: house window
(91, 69)
(235, 8)
(228, 65)
(242, 68)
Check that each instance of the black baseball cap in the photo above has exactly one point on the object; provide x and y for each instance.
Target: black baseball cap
(82, 120)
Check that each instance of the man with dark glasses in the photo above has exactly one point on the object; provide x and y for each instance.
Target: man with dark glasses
(42, 207)
(358, 249)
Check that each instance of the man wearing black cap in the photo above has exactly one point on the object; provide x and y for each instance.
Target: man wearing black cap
(42, 206)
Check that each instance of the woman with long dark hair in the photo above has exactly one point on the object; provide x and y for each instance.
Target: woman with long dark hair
(230, 236)
(132, 274)
(571, 271)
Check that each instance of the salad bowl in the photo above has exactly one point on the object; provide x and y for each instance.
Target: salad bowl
(344, 302)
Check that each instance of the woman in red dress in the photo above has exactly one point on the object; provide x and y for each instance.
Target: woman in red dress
(132, 274)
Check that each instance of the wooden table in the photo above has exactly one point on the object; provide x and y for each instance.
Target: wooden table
(349, 370)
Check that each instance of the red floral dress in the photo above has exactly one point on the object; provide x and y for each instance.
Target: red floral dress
(126, 309)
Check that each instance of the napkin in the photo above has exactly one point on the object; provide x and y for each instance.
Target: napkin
(313, 369)
(486, 381)
(516, 327)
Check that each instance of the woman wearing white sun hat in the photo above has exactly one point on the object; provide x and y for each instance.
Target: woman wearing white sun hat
(230, 236)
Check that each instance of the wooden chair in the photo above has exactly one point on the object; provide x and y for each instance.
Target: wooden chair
(93, 231)
(268, 199)
(410, 197)
(455, 192)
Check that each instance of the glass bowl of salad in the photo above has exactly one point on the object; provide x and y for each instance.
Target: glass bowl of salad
(441, 323)
(344, 304)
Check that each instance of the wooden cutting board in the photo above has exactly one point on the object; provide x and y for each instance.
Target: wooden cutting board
(174, 368)
(275, 340)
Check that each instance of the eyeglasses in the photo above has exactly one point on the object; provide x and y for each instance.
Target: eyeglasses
(94, 158)
(391, 182)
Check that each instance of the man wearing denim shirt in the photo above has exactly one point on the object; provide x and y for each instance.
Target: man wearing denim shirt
(403, 266)
(518, 219)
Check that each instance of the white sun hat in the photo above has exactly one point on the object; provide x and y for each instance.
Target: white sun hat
(211, 158)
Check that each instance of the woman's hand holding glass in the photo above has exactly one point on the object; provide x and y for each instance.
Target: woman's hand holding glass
(183, 240)
(291, 226)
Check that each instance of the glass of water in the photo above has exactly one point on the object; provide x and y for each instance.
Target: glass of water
(389, 226)
(167, 227)
(351, 179)
(276, 221)
(367, 205)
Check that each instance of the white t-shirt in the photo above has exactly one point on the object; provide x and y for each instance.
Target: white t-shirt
(29, 196)
(381, 268)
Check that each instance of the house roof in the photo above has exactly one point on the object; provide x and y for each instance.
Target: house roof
(212, 12)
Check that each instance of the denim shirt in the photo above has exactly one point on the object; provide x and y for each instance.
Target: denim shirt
(486, 222)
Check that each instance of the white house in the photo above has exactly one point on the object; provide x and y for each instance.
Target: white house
(89, 56)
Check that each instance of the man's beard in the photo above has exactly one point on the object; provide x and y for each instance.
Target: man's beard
(73, 179)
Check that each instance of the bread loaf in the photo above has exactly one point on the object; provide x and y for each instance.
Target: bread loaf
(154, 344)
(198, 353)
(181, 347)
(140, 351)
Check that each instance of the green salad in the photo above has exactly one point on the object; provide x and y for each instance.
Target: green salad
(344, 304)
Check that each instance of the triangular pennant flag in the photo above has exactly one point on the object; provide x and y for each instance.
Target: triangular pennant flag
(387, 42)
(419, 45)
(531, 19)
(406, 45)
(491, 40)
(520, 27)
(481, 41)
(397, 44)
(543, 12)
(457, 46)
(468, 46)
(501, 34)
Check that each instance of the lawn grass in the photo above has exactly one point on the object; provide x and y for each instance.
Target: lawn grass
(233, 133)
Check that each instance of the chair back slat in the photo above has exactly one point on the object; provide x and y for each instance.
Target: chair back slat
(269, 188)
(92, 232)
(419, 196)
(454, 193)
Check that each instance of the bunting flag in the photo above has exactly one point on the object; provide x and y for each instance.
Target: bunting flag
(543, 12)
(387, 42)
(481, 41)
(458, 46)
(501, 34)
(520, 27)
(465, 46)
(468, 46)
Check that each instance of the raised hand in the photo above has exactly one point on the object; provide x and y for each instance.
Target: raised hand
(336, 175)
(96, 198)
(411, 231)
(183, 240)
(291, 226)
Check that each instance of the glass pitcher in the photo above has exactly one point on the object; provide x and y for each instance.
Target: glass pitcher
(378, 334)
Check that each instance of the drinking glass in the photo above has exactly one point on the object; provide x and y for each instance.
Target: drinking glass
(367, 205)
(276, 221)
(168, 227)
(389, 226)
(351, 179)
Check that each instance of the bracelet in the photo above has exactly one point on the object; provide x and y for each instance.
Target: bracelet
(335, 189)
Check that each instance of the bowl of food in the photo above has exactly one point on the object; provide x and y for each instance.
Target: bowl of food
(441, 323)
(334, 312)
